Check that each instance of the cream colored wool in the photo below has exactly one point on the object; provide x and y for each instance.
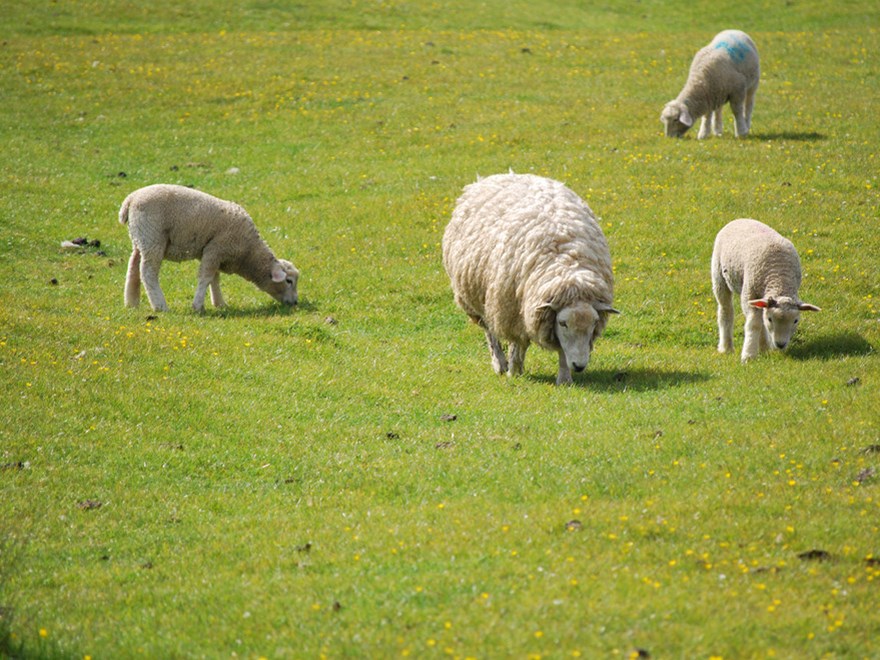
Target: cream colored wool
(727, 70)
(762, 267)
(528, 263)
(178, 223)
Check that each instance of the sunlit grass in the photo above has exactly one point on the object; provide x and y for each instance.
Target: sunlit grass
(349, 477)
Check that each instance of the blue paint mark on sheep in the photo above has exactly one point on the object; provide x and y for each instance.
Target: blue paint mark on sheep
(738, 50)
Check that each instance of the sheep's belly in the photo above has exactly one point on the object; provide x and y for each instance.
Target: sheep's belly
(184, 252)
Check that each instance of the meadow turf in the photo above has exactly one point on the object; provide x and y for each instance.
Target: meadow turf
(349, 478)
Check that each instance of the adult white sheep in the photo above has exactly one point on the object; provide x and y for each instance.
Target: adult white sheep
(178, 223)
(726, 70)
(528, 263)
(753, 261)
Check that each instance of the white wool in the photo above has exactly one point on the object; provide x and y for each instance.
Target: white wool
(178, 223)
(521, 251)
(762, 267)
(727, 70)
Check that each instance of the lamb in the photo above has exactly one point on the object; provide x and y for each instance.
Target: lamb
(725, 70)
(528, 263)
(178, 223)
(763, 268)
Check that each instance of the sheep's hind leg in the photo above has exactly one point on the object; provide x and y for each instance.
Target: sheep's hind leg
(499, 362)
(133, 280)
(150, 265)
(724, 296)
(741, 126)
(717, 123)
(517, 359)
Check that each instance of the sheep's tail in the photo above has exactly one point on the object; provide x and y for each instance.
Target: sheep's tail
(123, 211)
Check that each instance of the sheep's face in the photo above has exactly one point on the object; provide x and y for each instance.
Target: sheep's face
(282, 283)
(676, 119)
(781, 318)
(576, 329)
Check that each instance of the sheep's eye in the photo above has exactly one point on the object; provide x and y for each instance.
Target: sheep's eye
(289, 281)
(563, 324)
(796, 321)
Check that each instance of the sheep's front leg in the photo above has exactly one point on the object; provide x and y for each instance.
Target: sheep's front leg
(499, 362)
(216, 295)
(563, 377)
(517, 359)
(150, 265)
(133, 280)
(208, 273)
(704, 127)
(754, 333)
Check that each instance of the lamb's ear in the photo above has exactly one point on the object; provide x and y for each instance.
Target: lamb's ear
(605, 307)
(685, 118)
(807, 307)
(763, 303)
(278, 272)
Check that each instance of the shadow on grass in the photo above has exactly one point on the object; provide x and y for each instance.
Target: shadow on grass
(792, 136)
(629, 380)
(847, 344)
(272, 309)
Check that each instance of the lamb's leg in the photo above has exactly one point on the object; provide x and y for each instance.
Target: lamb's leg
(749, 106)
(517, 359)
(563, 377)
(754, 331)
(704, 126)
(724, 296)
(208, 274)
(717, 122)
(741, 127)
(216, 295)
(150, 264)
(499, 362)
(133, 280)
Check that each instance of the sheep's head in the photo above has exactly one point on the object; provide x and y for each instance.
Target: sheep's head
(676, 119)
(577, 327)
(281, 284)
(781, 317)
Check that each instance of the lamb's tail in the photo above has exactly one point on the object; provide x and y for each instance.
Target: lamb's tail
(123, 211)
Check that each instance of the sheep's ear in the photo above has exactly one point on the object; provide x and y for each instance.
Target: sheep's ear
(685, 118)
(605, 307)
(763, 303)
(278, 273)
(807, 307)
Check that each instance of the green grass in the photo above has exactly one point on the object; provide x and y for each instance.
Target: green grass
(273, 484)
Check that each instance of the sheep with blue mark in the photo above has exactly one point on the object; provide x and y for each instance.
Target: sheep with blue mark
(727, 70)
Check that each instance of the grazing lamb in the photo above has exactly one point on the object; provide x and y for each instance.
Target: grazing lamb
(178, 223)
(763, 268)
(725, 70)
(528, 263)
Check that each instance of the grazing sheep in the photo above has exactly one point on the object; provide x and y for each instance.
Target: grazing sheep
(763, 268)
(178, 223)
(725, 70)
(528, 263)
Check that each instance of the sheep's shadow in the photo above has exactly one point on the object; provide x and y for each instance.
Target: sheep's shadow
(827, 347)
(263, 311)
(627, 380)
(793, 136)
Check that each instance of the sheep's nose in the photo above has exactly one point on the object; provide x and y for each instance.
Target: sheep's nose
(578, 367)
(781, 344)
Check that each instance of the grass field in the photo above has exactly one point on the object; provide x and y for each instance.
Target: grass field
(349, 478)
